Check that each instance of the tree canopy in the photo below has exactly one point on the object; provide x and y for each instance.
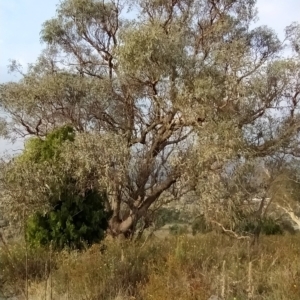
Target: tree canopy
(165, 96)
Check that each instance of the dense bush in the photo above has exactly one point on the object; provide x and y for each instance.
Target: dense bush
(39, 150)
(77, 216)
(267, 225)
(74, 222)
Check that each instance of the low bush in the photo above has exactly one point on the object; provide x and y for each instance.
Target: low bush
(77, 216)
(76, 221)
(267, 226)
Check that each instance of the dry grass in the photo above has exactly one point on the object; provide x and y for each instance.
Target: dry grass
(178, 267)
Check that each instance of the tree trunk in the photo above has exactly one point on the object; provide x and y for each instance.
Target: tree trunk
(117, 227)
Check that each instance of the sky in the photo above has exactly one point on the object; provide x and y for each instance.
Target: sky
(21, 21)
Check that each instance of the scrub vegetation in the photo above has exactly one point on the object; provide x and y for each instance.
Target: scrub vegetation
(161, 155)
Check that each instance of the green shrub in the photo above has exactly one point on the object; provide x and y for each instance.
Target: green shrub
(271, 227)
(75, 221)
(268, 226)
(41, 150)
(78, 216)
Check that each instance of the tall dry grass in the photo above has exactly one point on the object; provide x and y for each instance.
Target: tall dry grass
(178, 267)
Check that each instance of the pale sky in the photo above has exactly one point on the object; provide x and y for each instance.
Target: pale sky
(21, 20)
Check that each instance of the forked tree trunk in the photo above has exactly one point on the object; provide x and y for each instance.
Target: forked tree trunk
(138, 209)
(118, 227)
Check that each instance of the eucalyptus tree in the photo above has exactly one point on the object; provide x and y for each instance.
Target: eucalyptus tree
(162, 94)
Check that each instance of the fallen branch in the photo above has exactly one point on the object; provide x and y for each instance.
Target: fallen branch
(291, 214)
(230, 232)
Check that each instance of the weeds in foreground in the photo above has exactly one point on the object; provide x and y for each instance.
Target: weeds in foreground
(178, 267)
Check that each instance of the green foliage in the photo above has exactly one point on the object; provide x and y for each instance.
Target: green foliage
(48, 149)
(271, 227)
(76, 217)
(75, 221)
(268, 226)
